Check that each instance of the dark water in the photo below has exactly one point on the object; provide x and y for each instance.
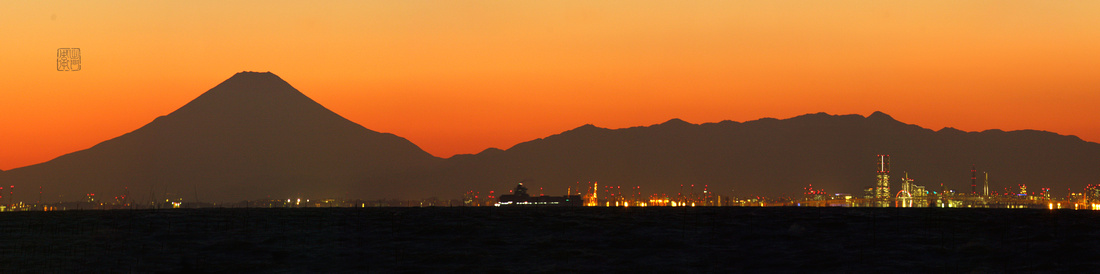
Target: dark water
(552, 240)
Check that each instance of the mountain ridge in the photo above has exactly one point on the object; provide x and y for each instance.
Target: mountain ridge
(840, 149)
(254, 136)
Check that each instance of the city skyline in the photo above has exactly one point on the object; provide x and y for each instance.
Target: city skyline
(461, 77)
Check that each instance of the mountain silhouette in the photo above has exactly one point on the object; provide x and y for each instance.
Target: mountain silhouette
(255, 136)
(777, 158)
(252, 136)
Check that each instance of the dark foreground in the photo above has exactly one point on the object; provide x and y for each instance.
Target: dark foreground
(551, 240)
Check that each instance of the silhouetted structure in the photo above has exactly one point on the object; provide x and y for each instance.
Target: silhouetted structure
(973, 180)
(519, 197)
(985, 187)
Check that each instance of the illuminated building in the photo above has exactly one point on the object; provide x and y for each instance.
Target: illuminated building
(1092, 194)
(882, 187)
(592, 199)
(906, 186)
(904, 198)
(811, 194)
(660, 200)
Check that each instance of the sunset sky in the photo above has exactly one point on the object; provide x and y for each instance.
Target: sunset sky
(463, 76)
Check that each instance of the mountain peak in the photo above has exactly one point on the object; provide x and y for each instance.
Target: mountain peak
(254, 76)
(812, 116)
(675, 121)
(251, 80)
(250, 93)
(878, 115)
(586, 128)
(253, 73)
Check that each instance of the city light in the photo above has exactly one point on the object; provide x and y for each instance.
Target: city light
(907, 194)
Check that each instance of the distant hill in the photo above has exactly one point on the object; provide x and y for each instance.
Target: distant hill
(250, 137)
(777, 157)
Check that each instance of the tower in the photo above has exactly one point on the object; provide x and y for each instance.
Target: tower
(985, 188)
(973, 180)
(882, 187)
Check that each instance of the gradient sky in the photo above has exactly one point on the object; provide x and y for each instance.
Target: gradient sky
(463, 76)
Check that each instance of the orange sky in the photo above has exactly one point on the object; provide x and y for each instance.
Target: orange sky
(462, 76)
